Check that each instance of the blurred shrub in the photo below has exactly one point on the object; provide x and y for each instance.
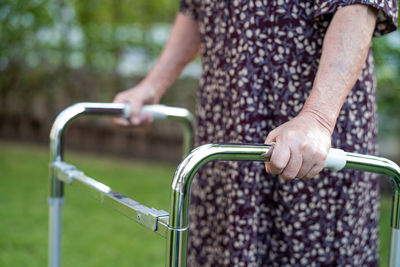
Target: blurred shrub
(387, 69)
(54, 53)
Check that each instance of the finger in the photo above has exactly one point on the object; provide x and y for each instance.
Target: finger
(313, 159)
(119, 98)
(293, 166)
(120, 121)
(306, 166)
(146, 119)
(267, 157)
(315, 170)
(268, 154)
(269, 141)
(271, 137)
(280, 158)
(267, 166)
(136, 112)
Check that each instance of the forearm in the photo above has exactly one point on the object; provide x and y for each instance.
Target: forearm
(344, 52)
(182, 47)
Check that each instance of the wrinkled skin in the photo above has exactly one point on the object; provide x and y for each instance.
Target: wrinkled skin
(303, 143)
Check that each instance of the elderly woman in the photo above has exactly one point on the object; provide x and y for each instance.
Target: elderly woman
(296, 73)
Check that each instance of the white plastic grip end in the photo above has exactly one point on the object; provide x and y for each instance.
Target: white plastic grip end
(127, 111)
(336, 159)
(156, 111)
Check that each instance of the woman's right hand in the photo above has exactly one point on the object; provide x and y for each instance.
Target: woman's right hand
(136, 97)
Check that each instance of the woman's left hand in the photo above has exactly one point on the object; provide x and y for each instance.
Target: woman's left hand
(301, 147)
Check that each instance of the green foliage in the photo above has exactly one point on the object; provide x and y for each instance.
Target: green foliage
(40, 31)
(387, 62)
(387, 67)
(54, 53)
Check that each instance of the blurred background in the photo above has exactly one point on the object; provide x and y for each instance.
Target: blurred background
(56, 53)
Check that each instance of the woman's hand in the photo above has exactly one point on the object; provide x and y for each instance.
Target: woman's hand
(136, 97)
(182, 47)
(301, 147)
(302, 144)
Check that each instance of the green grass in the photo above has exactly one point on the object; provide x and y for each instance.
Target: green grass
(93, 235)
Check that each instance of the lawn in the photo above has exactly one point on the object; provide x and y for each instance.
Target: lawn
(93, 235)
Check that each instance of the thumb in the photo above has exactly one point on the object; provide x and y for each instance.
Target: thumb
(136, 111)
(271, 137)
(270, 140)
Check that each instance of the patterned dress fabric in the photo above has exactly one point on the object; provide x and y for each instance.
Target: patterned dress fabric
(259, 60)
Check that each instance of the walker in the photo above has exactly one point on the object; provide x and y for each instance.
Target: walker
(173, 226)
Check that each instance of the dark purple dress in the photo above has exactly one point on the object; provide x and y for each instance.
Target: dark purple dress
(259, 61)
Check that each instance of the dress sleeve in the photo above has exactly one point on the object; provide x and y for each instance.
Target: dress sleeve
(188, 8)
(387, 16)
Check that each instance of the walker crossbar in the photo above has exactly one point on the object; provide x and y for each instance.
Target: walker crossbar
(61, 172)
(153, 219)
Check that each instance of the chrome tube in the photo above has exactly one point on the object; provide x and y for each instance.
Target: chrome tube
(61, 123)
(55, 217)
(158, 112)
(391, 169)
(394, 256)
(56, 187)
(180, 189)
(111, 109)
(381, 166)
(151, 218)
(161, 112)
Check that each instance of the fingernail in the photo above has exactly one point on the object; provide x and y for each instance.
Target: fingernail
(267, 155)
(124, 122)
(135, 120)
(121, 122)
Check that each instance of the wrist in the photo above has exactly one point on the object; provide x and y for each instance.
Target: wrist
(151, 91)
(324, 104)
(321, 119)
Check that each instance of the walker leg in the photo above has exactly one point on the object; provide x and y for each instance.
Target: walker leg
(177, 247)
(55, 222)
(394, 258)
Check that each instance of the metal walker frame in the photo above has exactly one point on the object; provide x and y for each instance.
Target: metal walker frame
(174, 225)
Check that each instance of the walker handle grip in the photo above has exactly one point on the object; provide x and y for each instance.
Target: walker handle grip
(157, 112)
(336, 159)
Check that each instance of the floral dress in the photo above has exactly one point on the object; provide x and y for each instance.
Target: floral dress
(259, 61)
